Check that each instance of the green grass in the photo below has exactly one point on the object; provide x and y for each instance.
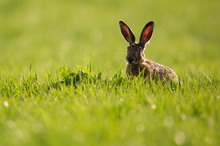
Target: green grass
(81, 108)
(62, 79)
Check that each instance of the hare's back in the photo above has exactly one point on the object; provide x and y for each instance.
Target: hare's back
(164, 72)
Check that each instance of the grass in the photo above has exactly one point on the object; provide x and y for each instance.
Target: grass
(62, 79)
(81, 108)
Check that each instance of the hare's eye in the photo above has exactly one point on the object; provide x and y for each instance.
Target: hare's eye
(141, 49)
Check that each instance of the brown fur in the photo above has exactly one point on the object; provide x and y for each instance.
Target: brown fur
(137, 63)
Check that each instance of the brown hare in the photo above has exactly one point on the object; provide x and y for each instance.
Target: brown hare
(137, 64)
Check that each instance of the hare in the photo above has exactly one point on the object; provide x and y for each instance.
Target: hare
(137, 64)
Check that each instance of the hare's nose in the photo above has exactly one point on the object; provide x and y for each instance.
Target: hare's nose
(130, 59)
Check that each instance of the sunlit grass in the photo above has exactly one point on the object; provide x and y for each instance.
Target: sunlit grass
(62, 79)
(81, 107)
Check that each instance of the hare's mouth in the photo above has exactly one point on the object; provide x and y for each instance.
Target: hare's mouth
(132, 61)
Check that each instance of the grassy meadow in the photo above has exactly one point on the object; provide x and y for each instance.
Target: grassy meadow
(63, 81)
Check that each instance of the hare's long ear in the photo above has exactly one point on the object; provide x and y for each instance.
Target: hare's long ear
(126, 32)
(146, 33)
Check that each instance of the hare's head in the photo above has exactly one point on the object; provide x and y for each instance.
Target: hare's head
(135, 52)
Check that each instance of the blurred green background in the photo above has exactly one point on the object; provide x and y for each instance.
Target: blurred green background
(48, 34)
